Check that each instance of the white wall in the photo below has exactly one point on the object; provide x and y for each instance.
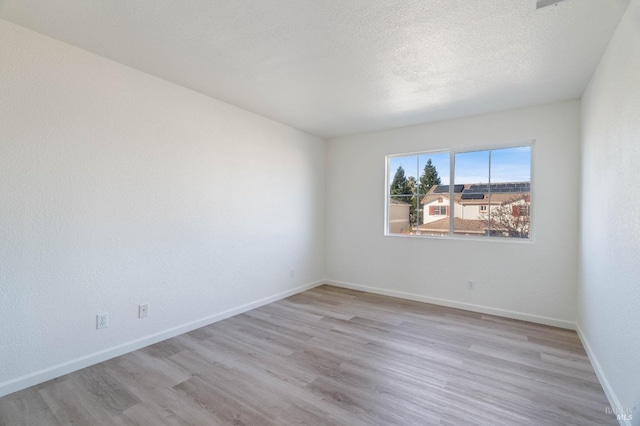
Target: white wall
(535, 281)
(609, 289)
(118, 188)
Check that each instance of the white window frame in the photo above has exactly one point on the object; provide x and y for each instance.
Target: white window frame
(452, 153)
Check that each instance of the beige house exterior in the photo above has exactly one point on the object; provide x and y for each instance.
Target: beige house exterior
(474, 208)
(398, 216)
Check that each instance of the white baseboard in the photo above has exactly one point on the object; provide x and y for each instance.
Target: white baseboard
(608, 390)
(41, 376)
(460, 305)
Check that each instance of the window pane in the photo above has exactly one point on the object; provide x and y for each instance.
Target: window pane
(399, 214)
(510, 192)
(434, 171)
(403, 178)
(471, 193)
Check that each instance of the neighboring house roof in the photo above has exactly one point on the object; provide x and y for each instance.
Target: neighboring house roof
(505, 193)
(398, 202)
(465, 226)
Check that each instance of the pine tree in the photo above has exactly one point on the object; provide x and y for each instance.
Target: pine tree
(399, 183)
(402, 185)
(411, 188)
(429, 177)
(411, 185)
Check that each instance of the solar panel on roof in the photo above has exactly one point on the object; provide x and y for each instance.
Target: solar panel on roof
(501, 188)
(495, 188)
(472, 196)
(441, 189)
(473, 191)
(498, 188)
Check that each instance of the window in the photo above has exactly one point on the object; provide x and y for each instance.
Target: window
(440, 210)
(484, 193)
(521, 210)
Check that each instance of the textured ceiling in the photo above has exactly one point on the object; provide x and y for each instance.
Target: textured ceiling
(335, 68)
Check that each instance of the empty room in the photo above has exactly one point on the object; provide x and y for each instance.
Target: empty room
(265, 212)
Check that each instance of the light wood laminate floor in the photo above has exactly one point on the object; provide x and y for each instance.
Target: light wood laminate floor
(332, 356)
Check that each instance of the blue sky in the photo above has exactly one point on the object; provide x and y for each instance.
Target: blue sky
(507, 165)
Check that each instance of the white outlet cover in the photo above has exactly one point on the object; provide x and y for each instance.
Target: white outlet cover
(143, 311)
(102, 321)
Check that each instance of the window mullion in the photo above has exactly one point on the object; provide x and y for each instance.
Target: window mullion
(489, 192)
(452, 164)
(417, 195)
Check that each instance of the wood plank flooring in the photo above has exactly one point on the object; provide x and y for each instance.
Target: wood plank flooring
(331, 356)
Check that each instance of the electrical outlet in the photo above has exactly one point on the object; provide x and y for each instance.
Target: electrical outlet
(143, 311)
(102, 321)
(471, 285)
(292, 273)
